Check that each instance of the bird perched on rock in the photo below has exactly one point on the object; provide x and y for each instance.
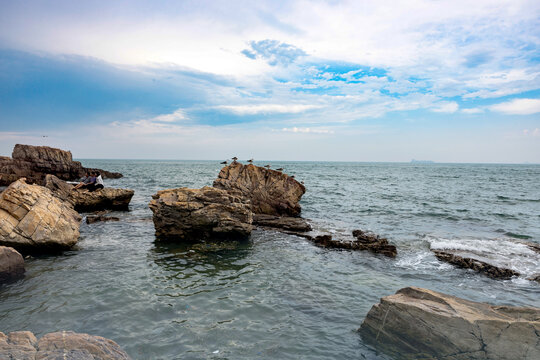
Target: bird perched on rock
(301, 182)
(224, 162)
(250, 161)
(280, 169)
(234, 159)
(267, 166)
(292, 176)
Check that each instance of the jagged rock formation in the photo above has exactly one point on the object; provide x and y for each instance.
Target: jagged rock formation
(32, 219)
(364, 241)
(91, 219)
(490, 270)
(199, 214)
(294, 224)
(23, 345)
(11, 264)
(270, 192)
(34, 162)
(84, 200)
(419, 323)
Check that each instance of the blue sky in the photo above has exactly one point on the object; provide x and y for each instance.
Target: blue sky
(450, 81)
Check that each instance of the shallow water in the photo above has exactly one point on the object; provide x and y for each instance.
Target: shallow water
(277, 296)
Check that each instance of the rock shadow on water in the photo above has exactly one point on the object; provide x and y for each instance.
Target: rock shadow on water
(211, 257)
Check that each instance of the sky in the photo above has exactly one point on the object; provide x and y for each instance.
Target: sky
(447, 81)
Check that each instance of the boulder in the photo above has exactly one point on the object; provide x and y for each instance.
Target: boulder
(34, 162)
(11, 264)
(106, 198)
(23, 345)
(419, 323)
(200, 214)
(33, 220)
(493, 271)
(374, 243)
(84, 200)
(287, 223)
(270, 192)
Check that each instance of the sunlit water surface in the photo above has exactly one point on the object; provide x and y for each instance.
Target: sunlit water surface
(277, 296)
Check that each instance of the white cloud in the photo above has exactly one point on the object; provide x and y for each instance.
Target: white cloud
(176, 116)
(518, 107)
(534, 133)
(446, 107)
(267, 109)
(472, 111)
(307, 130)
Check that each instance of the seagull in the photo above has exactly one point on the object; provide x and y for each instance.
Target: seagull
(267, 166)
(280, 169)
(250, 161)
(235, 158)
(224, 162)
(292, 176)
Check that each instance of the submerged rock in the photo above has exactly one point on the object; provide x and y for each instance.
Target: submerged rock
(11, 264)
(270, 192)
(199, 214)
(296, 224)
(419, 323)
(34, 162)
(490, 270)
(84, 200)
(23, 345)
(379, 246)
(32, 219)
(90, 219)
(373, 243)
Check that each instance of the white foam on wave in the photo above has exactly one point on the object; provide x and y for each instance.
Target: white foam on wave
(499, 252)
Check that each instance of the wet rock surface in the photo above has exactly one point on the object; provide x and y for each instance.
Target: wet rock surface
(494, 272)
(287, 223)
(33, 220)
(91, 219)
(11, 264)
(198, 214)
(419, 323)
(65, 345)
(380, 246)
(34, 162)
(271, 192)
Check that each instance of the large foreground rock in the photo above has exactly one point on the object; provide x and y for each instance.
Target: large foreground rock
(11, 264)
(418, 323)
(270, 192)
(32, 219)
(34, 162)
(84, 200)
(200, 214)
(62, 345)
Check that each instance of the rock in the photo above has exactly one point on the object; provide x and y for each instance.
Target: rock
(90, 219)
(270, 192)
(23, 345)
(419, 323)
(374, 243)
(535, 277)
(199, 214)
(296, 224)
(106, 198)
(34, 162)
(32, 219)
(11, 264)
(490, 270)
(84, 200)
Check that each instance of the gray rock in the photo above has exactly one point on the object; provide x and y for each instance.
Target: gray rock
(11, 264)
(287, 223)
(198, 214)
(419, 323)
(62, 345)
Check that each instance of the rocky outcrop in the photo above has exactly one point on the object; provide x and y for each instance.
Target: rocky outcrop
(23, 345)
(418, 323)
(270, 192)
(107, 198)
(91, 219)
(364, 241)
(494, 272)
(34, 162)
(11, 264)
(32, 219)
(287, 223)
(199, 214)
(84, 200)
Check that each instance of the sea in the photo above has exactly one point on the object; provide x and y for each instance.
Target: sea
(277, 296)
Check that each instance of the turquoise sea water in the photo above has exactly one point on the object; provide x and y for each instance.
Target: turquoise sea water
(277, 296)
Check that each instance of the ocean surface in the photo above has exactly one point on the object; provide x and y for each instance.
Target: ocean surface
(277, 296)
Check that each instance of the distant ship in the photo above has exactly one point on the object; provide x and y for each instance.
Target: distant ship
(414, 161)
